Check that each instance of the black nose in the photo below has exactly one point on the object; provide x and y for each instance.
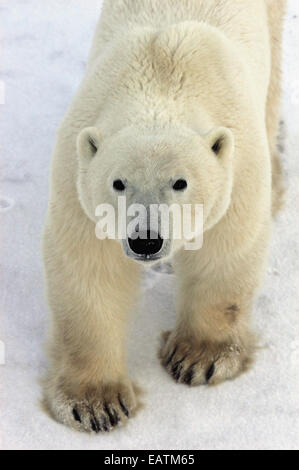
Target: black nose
(147, 243)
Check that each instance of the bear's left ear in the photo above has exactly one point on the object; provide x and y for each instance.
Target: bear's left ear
(88, 142)
(221, 142)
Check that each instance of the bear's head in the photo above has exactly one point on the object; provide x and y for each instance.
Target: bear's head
(142, 172)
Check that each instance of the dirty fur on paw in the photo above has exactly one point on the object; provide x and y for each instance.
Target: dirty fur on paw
(96, 409)
(204, 362)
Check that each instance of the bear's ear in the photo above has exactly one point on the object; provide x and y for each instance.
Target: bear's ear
(88, 142)
(221, 142)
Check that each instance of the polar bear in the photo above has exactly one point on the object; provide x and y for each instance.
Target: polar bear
(178, 105)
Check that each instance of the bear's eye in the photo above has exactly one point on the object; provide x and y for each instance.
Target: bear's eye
(118, 185)
(180, 185)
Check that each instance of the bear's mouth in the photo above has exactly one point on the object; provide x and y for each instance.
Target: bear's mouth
(146, 259)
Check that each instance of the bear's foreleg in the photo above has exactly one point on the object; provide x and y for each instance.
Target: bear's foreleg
(90, 286)
(212, 340)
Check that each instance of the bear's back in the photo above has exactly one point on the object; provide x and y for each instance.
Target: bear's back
(244, 22)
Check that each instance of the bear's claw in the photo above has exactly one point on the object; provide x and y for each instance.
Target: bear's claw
(203, 363)
(99, 409)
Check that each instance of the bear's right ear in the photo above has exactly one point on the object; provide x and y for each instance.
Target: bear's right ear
(88, 142)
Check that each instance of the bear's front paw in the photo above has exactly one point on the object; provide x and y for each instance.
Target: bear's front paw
(201, 363)
(96, 409)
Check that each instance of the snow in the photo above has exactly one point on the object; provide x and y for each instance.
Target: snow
(44, 46)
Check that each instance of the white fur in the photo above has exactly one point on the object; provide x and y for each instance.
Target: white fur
(162, 84)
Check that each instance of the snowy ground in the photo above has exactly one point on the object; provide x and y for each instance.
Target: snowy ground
(43, 50)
